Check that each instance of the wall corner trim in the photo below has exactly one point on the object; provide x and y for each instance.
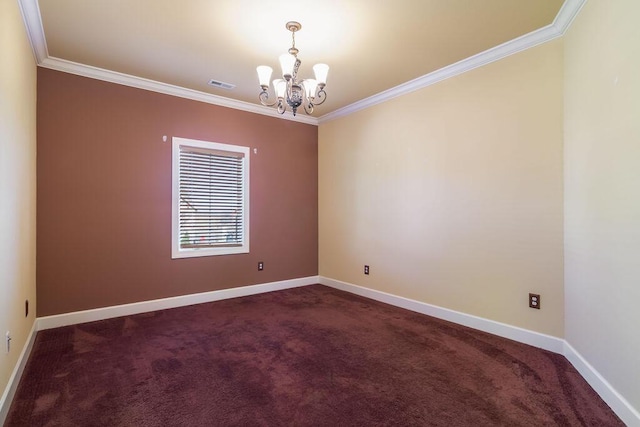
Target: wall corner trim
(566, 15)
(35, 32)
(627, 413)
(14, 379)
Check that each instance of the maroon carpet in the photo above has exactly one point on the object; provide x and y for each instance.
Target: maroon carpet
(305, 356)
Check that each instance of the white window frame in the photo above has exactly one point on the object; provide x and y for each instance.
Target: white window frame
(176, 251)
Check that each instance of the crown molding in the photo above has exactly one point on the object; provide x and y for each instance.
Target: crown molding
(35, 32)
(557, 28)
(70, 67)
(33, 23)
(566, 15)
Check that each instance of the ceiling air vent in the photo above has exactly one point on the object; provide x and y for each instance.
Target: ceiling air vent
(223, 85)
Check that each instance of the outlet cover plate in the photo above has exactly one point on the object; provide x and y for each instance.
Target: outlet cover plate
(534, 301)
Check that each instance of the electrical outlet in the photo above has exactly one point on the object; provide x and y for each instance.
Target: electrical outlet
(366, 269)
(8, 341)
(260, 265)
(534, 301)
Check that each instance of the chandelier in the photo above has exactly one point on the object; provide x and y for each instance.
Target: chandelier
(289, 90)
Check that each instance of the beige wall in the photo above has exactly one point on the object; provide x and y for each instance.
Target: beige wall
(17, 185)
(602, 184)
(453, 194)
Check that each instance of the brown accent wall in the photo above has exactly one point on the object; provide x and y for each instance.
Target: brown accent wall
(104, 195)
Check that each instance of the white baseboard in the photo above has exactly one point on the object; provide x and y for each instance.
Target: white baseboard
(76, 317)
(627, 413)
(515, 333)
(616, 402)
(14, 379)
(557, 345)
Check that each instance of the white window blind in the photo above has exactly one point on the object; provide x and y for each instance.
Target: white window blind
(211, 182)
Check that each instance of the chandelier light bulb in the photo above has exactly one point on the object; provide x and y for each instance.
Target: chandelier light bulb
(280, 87)
(264, 75)
(286, 62)
(310, 87)
(321, 71)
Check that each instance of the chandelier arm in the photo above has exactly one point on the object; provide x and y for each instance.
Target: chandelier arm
(264, 96)
(281, 107)
(320, 97)
(308, 108)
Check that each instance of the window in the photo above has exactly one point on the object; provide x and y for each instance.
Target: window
(210, 199)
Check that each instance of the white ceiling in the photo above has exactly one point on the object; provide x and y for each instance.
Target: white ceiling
(374, 47)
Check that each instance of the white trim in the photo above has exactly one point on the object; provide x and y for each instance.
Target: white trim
(58, 320)
(35, 32)
(14, 379)
(84, 316)
(228, 149)
(557, 28)
(627, 413)
(536, 339)
(617, 402)
(70, 67)
(566, 14)
(33, 23)
(623, 409)
(496, 53)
